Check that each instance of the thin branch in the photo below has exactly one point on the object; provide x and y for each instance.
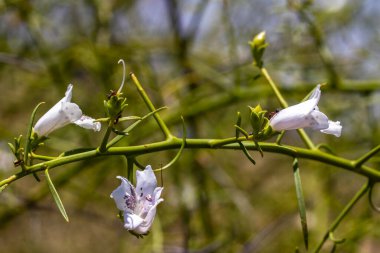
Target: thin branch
(360, 161)
(151, 107)
(228, 143)
(342, 215)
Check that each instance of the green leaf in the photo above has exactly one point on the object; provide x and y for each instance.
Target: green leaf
(238, 124)
(241, 130)
(257, 109)
(12, 147)
(56, 197)
(335, 240)
(255, 122)
(301, 202)
(29, 133)
(3, 187)
(259, 148)
(245, 151)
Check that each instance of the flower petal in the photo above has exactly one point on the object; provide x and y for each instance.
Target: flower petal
(317, 120)
(296, 116)
(58, 116)
(88, 123)
(334, 128)
(146, 182)
(157, 194)
(68, 93)
(148, 220)
(316, 93)
(61, 114)
(132, 221)
(123, 193)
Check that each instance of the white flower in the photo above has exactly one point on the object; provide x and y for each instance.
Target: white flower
(334, 128)
(88, 123)
(63, 113)
(305, 114)
(138, 204)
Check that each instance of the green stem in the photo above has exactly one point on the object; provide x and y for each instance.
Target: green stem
(367, 156)
(42, 157)
(305, 138)
(103, 145)
(228, 143)
(151, 107)
(28, 135)
(130, 162)
(131, 127)
(276, 91)
(342, 215)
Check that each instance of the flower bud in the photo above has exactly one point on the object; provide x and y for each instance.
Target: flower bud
(259, 122)
(258, 46)
(115, 105)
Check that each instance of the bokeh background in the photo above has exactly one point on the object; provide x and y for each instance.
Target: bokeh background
(192, 56)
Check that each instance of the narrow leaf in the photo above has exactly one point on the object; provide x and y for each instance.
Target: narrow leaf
(3, 187)
(241, 130)
(301, 202)
(29, 133)
(259, 148)
(238, 124)
(335, 240)
(36, 177)
(245, 151)
(12, 147)
(129, 118)
(56, 197)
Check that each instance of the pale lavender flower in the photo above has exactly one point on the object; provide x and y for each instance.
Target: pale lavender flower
(63, 113)
(305, 114)
(88, 123)
(334, 128)
(138, 204)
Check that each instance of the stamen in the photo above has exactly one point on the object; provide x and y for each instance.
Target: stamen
(149, 198)
(122, 83)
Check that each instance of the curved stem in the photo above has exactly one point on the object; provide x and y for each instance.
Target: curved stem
(343, 214)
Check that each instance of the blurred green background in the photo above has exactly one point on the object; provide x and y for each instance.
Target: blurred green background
(193, 57)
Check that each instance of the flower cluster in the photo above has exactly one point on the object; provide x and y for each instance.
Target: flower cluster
(138, 204)
(306, 114)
